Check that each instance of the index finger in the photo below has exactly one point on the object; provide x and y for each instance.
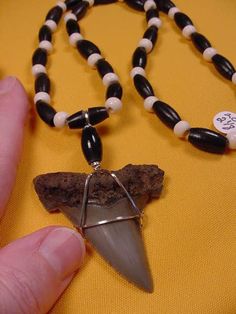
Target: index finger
(13, 111)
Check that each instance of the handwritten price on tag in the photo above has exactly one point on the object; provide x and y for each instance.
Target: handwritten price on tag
(225, 121)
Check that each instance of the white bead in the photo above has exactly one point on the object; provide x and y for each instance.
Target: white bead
(51, 24)
(149, 4)
(109, 79)
(59, 119)
(113, 104)
(45, 44)
(70, 16)
(231, 136)
(93, 59)
(188, 31)
(155, 21)
(62, 5)
(42, 96)
(181, 128)
(172, 12)
(146, 43)
(74, 38)
(37, 69)
(234, 78)
(137, 70)
(208, 53)
(148, 103)
(90, 2)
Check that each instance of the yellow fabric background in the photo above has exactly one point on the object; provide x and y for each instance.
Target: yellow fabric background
(190, 231)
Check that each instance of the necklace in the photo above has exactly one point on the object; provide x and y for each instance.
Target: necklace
(105, 206)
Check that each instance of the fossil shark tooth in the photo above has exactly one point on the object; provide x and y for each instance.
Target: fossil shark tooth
(120, 242)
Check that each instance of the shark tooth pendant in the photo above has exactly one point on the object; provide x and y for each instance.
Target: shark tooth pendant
(107, 207)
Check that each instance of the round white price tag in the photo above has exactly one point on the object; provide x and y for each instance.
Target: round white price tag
(225, 121)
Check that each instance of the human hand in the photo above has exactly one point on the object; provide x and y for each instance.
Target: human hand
(37, 268)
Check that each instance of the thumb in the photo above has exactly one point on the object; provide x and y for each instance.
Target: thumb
(36, 269)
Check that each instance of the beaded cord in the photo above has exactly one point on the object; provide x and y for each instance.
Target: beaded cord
(202, 138)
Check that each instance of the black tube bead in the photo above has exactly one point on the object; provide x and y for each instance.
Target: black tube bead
(103, 67)
(96, 2)
(223, 66)
(46, 112)
(76, 120)
(136, 4)
(72, 27)
(182, 20)
(165, 5)
(39, 56)
(80, 9)
(139, 58)
(166, 114)
(86, 48)
(91, 144)
(200, 42)
(95, 116)
(151, 13)
(143, 86)
(151, 34)
(208, 140)
(70, 4)
(42, 83)
(114, 90)
(55, 14)
(45, 33)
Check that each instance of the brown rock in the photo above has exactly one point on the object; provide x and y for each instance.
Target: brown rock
(65, 188)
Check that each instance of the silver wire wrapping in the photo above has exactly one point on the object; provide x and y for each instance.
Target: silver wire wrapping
(83, 225)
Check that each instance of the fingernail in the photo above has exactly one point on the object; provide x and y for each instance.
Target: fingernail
(64, 250)
(7, 84)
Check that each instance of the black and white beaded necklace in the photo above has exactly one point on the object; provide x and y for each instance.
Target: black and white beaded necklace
(202, 138)
(205, 139)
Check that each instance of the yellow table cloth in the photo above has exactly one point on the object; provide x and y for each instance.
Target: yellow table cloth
(190, 232)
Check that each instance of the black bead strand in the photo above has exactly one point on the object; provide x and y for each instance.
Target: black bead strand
(182, 20)
(39, 56)
(103, 67)
(208, 140)
(80, 9)
(76, 120)
(70, 4)
(165, 5)
(151, 34)
(166, 114)
(86, 48)
(136, 4)
(139, 58)
(114, 90)
(55, 14)
(72, 27)
(97, 115)
(42, 83)
(45, 33)
(151, 13)
(200, 42)
(143, 86)
(91, 144)
(46, 112)
(223, 66)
